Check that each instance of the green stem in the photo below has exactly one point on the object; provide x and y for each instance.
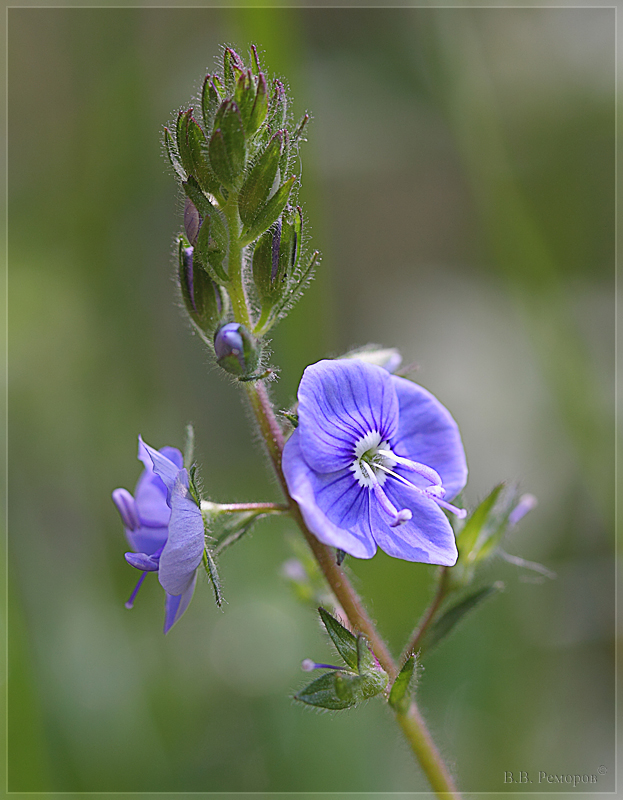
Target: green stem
(411, 721)
(230, 508)
(429, 615)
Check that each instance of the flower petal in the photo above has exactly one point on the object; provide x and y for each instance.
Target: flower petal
(164, 468)
(339, 403)
(142, 561)
(427, 433)
(175, 605)
(334, 506)
(183, 550)
(151, 499)
(146, 539)
(427, 537)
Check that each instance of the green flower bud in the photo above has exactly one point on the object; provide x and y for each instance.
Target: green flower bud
(236, 350)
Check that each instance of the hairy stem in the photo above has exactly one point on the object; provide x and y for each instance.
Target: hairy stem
(411, 721)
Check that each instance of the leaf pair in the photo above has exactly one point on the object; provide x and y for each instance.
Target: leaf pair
(339, 689)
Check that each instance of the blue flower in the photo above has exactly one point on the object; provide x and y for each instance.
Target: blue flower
(373, 461)
(164, 527)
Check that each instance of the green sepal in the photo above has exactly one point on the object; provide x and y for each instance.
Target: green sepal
(192, 486)
(205, 304)
(255, 65)
(260, 105)
(210, 101)
(340, 555)
(257, 186)
(399, 694)
(228, 71)
(210, 567)
(244, 96)
(228, 527)
(269, 212)
(322, 693)
(450, 618)
(278, 107)
(285, 154)
(296, 287)
(173, 155)
(227, 147)
(182, 141)
(198, 146)
(211, 246)
(343, 639)
(293, 419)
(197, 197)
(297, 136)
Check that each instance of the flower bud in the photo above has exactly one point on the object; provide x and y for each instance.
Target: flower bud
(236, 350)
(203, 299)
(192, 221)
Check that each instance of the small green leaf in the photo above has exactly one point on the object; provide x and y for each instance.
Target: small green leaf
(322, 693)
(448, 621)
(269, 212)
(212, 573)
(343, 639)
(258, 184)
(173, 155)
(470, 532)
(365, 660)
(399, 695)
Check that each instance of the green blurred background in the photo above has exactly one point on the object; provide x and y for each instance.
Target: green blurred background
(459, 180)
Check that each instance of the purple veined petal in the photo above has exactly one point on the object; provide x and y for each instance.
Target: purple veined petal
(151, 499)
(142, 561)
(164, 468)
(183, 550)
(175, 605)
(339, 403)
(126, 507)
(427, 537)
(349, 506)
(428, 434)
(146, 539)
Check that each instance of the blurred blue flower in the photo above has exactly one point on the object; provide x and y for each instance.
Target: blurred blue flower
(372, 462)
(164, 527)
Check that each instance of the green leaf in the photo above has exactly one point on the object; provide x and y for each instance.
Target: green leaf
(210, 101)
(467, 538)
(258, 184)
(399, 695)
(322, 693)
(269, 212)
(448, 621)
(173, 155)
(212, 573)
(343, 639)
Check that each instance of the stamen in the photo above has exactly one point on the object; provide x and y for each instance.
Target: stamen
(132, 597)
(432, 492)
(307, 665)
(399, 517)
(426, 472)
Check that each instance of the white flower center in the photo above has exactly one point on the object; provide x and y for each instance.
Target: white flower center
(374, 463)
(367, 451)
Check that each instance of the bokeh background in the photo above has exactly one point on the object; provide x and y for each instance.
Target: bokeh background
(459, 180)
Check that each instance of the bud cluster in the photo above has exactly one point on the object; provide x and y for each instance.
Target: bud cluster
(241, 257)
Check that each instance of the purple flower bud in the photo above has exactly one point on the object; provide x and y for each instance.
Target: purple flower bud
(192, 221)
(228, 340)
(187, 258)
